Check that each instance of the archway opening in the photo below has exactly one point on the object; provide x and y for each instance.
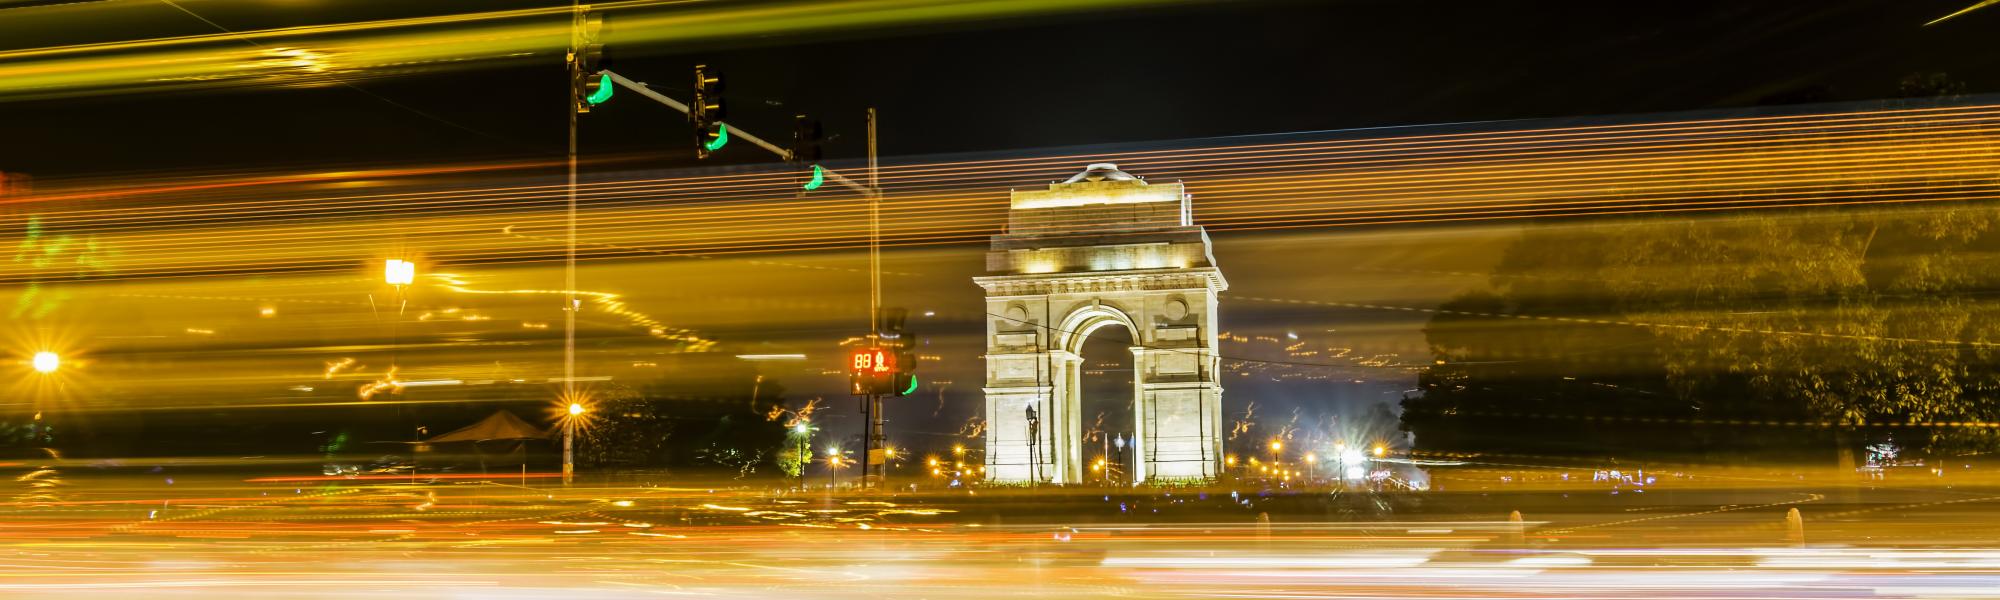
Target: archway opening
(1105, 383)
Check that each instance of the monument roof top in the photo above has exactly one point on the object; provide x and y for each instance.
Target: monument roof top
(1101, 172)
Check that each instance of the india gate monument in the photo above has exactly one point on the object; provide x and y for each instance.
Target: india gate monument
(1103, 248)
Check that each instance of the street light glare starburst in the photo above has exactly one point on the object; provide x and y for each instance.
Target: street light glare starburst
(46, 362)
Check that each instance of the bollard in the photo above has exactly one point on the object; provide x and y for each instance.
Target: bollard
(1264, 528)
(1795, 528)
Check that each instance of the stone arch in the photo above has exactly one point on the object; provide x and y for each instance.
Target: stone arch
(1104, 247)
(1076, 327)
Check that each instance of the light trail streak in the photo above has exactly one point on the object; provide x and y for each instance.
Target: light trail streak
(1260, 187)
(403, 477)
(708, 186)
(350, 51)
(711, 189)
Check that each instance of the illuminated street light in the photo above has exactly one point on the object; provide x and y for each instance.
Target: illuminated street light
(1379, 451)
(1277, 445)
(569, 441)
(399, 272)
(799, 428)
(46, 362)
(833, 463)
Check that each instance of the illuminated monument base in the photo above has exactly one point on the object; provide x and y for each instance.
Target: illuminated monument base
(1104, 248)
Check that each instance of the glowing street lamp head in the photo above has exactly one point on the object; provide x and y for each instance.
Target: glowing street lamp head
(575, 408)
(1277, 445)
(399, 272)
(46, 362)
(800, 428)
(1379, 451)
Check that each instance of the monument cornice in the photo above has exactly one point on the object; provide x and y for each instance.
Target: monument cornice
(1134, 280)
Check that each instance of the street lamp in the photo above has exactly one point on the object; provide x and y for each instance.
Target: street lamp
(46, 362)
(1277, 447)
(397, 271)
(1120, 443)
(569, 436)
(832, 464)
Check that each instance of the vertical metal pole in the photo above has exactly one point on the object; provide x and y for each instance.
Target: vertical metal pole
(874, 230)
(569, 254)
(872, 403)
(867, 435)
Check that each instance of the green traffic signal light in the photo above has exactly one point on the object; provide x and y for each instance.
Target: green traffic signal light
(912, 389)
(721, 137)
(818, 179)
(603, 91)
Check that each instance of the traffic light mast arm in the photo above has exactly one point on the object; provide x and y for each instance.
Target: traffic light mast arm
(641, 89)
(738, 132)
(851, 184)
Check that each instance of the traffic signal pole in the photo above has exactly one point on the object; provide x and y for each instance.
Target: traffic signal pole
(874, 408)
(874, 456)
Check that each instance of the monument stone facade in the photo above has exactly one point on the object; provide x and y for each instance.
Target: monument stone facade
(1103, 248)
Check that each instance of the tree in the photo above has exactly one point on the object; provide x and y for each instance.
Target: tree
(1808, 324)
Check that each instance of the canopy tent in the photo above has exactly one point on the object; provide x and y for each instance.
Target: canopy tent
(501, 425)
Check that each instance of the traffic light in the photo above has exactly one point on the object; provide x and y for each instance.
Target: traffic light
(870, 369)
(902, 347)
(805, 140)
(587, 87)
(884, 363)
(805, 149)
(597, 90)
(707, 111)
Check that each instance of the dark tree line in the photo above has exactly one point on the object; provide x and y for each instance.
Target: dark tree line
(1764, 335)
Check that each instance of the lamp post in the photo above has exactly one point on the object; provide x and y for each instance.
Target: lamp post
(832, 466)
(1120, 443)
(803, 430)
(1277, 449)
(569, 436)
(1034, 447)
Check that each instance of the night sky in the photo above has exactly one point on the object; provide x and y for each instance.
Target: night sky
(1105, 77)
